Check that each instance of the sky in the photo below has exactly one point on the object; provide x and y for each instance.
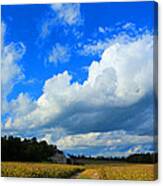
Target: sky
(80, 76)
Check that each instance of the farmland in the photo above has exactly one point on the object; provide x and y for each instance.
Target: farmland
(114, 171)
(38, 170)
(121, 171)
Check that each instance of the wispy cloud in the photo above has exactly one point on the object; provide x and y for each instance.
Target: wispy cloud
(11, 71)
(62, 14)
(103, 38)
(59, 54)
(68, 13)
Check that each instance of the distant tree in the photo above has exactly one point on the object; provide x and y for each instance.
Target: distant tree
(15, 149)
(134, 158)
(143, 158)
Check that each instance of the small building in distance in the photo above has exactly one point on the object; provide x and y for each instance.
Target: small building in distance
(58, 157)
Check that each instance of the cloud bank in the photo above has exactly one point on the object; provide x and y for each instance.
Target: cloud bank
(122, 77)
(107, 142)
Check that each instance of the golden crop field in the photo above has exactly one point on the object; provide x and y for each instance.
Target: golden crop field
(114, 171)
(120, 171)
(38, 170)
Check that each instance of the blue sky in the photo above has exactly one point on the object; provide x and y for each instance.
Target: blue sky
(76, 71)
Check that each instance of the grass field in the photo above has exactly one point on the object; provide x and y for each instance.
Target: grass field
(38, 170)
(120, 171)
(114, 171)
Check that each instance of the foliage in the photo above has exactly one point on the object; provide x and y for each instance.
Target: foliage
(134, 158)
(15, 149)
(143, 158)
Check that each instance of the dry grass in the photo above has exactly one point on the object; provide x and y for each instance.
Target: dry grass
(114, 171)
(38, 170)
(144, 172)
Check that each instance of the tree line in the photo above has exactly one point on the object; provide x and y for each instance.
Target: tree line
(133, 158)
(16, 149)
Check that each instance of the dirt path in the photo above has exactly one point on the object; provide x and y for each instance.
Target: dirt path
(75, 176)
(89, 173)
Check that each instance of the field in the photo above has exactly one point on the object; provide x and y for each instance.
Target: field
(116, 171)
(119, 171)
(38, 170)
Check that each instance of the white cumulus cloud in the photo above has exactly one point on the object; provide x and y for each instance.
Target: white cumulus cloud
(122, 77)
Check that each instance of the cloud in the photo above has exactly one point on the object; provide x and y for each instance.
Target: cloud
(11, 72)
(104, 37)
(129, 25)
(101, 29)
(118, 94)
(66, 15)
(51, 135)
(19, 108)
(97, 139)
(22, 105)
(94, 48)
(59, 54)
(110, 141)
(111, 113)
